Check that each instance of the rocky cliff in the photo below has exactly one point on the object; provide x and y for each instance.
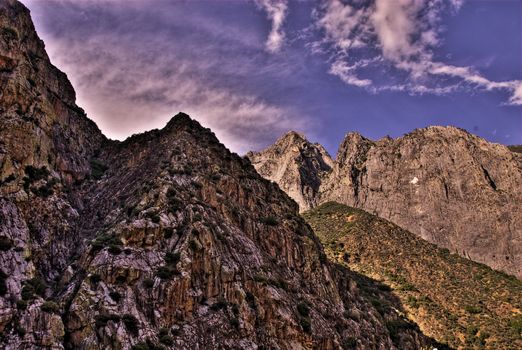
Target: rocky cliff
(296, 165)
(444, 184)
(165, 240)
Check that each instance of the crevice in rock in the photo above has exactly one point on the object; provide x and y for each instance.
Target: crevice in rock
(489, 179)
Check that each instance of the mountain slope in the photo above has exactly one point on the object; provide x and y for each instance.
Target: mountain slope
(447, 186)
(164, 240)
(456, 301)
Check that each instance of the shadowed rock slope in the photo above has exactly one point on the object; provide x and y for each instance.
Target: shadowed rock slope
(456, 301)
(165, 240)
(447, 186)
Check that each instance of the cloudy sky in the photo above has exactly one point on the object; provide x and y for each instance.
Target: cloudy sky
(252, 70)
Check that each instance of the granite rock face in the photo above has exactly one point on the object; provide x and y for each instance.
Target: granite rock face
(164, 240)
(444, 184)
(296, 165)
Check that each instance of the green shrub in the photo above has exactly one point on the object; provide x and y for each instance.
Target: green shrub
(114, 249)
(35, 174)
(219, 305)
(168, 232)
(50, 307)
(3, 283)
(101, 320)
(472, 309)
(140, 346)
(251, 300)
(21, 304)
(306, 325)
(5, 243)
(33, 286)
(105, 240)
(303, 309)
(172, 258)
(516, 324)
(95, 278)
(148, 283)
(166, 340)
(97, 169)
(234, 322)
(270, 221)
(131, 323)
(166, 272)
(115, 296)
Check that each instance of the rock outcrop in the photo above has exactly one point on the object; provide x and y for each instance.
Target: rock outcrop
(296, 165)
(444, 184)
(164, 240)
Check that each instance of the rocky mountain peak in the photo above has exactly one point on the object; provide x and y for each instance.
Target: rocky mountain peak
(297, 165)
(444, 184)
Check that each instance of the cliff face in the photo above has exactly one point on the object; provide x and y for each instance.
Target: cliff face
(447, 186)
(296, 165)
(166, 239)
(456, 301)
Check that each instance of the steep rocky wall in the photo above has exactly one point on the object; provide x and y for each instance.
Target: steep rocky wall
(447, 186)
(296, 165)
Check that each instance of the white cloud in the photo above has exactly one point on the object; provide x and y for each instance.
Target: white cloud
(127, 88)
(403, 34)
(276, 11)
(347, 74)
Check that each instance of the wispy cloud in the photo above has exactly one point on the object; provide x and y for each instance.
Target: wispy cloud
(276, 11)
(132, 80)
(402, 34)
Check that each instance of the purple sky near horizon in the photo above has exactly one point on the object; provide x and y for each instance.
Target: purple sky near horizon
(252, 70)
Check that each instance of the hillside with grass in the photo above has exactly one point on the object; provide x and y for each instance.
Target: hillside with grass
(456, 301)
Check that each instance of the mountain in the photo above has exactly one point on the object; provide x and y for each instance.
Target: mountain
(164, 240)
(456, 301)
(297, 166)
(444, 184)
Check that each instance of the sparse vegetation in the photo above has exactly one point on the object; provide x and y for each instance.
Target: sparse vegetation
(50, 307)
(115, 296)
(148, 283)
(3, 283)
(101, 320)
(166, 272)
(98, 168)
(460, 295)
(269, 221)
(131, 323)
(105, 240)
(5, 244)
(32, 287)
(95, 278)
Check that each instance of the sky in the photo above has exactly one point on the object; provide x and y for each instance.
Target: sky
(253, 70)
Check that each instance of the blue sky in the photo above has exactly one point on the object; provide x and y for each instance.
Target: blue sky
(252, 70)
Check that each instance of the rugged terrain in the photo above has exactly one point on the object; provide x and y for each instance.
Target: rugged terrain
(444, 184)
(457, 301)
(164, 240)
(296, 165)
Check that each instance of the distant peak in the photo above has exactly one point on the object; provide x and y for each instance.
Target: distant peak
(293, 136)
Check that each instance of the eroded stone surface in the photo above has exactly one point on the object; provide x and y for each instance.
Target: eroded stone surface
(444, 184)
